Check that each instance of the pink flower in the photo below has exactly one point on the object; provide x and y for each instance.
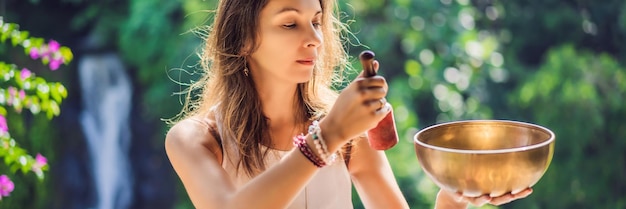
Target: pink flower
(53, 46)
(3, 124)
(40, 160)
(6, 186)
(12, 91)
(22, 94)
(34, 53)
(25, 73)
(55, 63)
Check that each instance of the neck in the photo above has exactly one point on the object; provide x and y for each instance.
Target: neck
(280, 107)
(278, 101)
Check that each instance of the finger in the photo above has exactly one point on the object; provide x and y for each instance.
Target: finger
(382, 112)
(478, 201)
(371, 82)
(375, 81)
(376, 104)
(510, 197)
(358, 83)
(506, 198)
(380, 103)
(523, 193)
(373, 94)
(376, 65)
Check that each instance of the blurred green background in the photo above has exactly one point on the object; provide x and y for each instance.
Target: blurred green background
(560, 64)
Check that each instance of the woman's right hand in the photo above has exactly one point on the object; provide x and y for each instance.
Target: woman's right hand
(359, 107)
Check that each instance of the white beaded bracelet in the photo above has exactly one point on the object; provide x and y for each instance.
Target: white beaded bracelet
(320, 144)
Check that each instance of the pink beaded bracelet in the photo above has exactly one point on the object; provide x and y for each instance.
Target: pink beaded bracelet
(300, 142)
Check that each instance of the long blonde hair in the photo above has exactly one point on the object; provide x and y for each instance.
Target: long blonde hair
(226, 89)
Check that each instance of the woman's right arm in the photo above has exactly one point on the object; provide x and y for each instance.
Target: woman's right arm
(188, 147)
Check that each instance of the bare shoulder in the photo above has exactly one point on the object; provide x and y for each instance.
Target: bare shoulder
(187, 132)
(195, 155)
(192, 135)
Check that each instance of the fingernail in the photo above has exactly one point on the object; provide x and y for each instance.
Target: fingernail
(387, 107)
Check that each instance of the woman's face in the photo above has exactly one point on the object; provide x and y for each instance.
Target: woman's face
(289, 38)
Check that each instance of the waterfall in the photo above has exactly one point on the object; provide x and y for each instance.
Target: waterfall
(106, 98)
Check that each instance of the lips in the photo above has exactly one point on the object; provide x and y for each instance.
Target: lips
(306, 61)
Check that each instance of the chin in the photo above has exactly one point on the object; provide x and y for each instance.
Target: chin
(303, 79)
(303, 76)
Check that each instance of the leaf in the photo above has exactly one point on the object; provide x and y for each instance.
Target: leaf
(62, 90)
(40, 175)
(24, 35)
(43, 91)
(37, 42)
(27, 50)
(6, 31)
(24, 41)
(45, 60)
(54, 93)
(7, 159)
(35, 108)
(15, 167)
(67, 54)
(25, 169)
(54, 107)
(15, 38)
(49, 114)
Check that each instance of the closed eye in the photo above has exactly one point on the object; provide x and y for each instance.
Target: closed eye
(317, 24)
(289, 26)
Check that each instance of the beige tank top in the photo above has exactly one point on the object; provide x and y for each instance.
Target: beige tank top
(330, 188)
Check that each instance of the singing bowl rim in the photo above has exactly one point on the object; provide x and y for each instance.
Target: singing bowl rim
(485, 151)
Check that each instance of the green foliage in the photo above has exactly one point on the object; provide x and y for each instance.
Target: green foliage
(16, 158)
(565, 74)
(39, 95)
(22, 89)
(10, 31)
(580, 96)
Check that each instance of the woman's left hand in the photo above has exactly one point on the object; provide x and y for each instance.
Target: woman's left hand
(460, 200)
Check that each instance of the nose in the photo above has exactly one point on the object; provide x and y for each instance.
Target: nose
(314, 37)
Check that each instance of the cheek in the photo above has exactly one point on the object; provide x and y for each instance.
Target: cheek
(280, 42)
(277, 48)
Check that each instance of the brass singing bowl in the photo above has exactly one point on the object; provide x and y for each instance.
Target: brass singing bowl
(484, 157)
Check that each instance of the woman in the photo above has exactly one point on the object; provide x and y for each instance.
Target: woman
(270, 65)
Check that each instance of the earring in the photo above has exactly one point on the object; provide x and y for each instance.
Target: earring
(245, 66)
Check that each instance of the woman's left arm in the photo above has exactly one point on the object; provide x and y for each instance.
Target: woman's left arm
(373, 177)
